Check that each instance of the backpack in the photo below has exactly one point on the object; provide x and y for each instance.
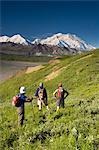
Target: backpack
(41, 93)
(16, 101)
(60, 92)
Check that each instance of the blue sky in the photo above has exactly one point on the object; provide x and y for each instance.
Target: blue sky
(36, 19)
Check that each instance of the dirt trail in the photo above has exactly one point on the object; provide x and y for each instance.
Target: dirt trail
(53, 75)
(54, 61)
(84, 57)
(57, 72)
(32, 69)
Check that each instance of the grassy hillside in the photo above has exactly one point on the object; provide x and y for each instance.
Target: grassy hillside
(76, 127)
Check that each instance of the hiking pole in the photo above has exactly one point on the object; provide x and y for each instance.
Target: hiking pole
(42, 102)
(33, 112)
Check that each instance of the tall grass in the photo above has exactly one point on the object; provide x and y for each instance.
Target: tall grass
(74, 127)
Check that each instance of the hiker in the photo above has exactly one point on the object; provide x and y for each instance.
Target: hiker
(60, 94)
(20, 104)
(41, 96)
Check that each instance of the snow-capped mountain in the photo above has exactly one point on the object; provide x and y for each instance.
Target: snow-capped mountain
(65, 40)
(4, 39)
(36, 41)
(58, 44)
(18, 39)
(70, 41)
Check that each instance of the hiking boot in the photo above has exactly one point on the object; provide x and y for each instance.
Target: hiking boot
(47, 107)
(57, 108)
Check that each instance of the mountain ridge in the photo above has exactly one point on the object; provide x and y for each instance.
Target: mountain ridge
(71, 40)
(58, 44)
(49, 40)
(18, 39)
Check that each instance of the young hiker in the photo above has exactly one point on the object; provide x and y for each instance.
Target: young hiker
(19, 101)
(60, 94)
(41, 96)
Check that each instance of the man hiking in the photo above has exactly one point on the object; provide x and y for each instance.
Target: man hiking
(60, 94)
(41, 96)
(19, 101)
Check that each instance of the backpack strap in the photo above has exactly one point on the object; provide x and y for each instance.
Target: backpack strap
(41, 93)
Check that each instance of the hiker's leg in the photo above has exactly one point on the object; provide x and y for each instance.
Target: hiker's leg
(58, 104)
(40, 104)
(37, 102)
(57, 108)
(46, 104)
(47, 107)
(20, 116)
(62, 103)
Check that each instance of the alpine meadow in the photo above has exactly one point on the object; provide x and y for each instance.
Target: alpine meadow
(75, 127)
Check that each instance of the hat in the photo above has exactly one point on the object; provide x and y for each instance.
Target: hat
(41, 85)
(22, 90)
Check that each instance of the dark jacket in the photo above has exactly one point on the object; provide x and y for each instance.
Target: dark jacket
(37, 93)
(64, 95)
(22, 100)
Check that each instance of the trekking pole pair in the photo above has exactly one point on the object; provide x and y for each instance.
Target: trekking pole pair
(33, 111)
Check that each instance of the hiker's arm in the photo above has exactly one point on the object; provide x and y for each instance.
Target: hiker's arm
(54, 94)
(66, 94)
(29, 99)
(36, 93)
(45, 93)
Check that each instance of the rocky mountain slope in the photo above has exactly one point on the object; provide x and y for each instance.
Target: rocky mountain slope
(65, 40)
(58, 44)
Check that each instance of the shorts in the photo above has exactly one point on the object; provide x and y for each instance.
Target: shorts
(60, 102)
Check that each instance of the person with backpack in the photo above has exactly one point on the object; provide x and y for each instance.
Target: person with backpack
(41, 95)
(60, 94)
(18, 101)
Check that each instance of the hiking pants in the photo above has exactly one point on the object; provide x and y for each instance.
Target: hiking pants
(20, 115)
(41, 102)
(60, 102)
